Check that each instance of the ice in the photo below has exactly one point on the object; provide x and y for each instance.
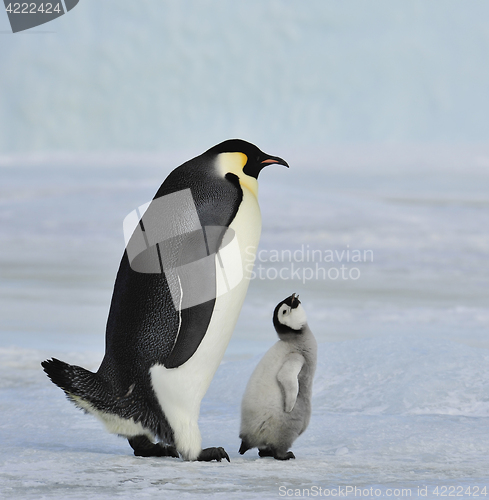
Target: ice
(408, 412)
(125, 76)
(401, 394)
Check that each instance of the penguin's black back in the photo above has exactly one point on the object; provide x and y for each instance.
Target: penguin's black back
(143, 323)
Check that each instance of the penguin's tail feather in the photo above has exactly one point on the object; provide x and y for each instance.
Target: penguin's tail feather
(82, 386)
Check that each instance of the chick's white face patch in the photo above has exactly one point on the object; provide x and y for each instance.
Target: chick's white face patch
(293, 318)
(283, 312)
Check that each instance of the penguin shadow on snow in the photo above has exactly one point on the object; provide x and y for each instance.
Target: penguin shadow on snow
(276, 406)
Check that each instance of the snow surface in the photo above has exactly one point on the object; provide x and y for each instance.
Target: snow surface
(401, 396)
(392, 412)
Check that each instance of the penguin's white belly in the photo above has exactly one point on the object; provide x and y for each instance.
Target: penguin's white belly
(180, 390)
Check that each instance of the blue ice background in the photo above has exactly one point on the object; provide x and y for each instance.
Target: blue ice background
(159, 74)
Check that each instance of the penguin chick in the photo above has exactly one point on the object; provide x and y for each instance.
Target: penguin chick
(276, 405)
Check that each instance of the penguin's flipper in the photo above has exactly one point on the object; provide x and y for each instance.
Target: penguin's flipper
(287, 378)
(197, 289)
(244, 447)
(210, 454)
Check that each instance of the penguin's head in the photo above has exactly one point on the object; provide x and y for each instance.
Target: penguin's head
(289, 317)
(241, 159)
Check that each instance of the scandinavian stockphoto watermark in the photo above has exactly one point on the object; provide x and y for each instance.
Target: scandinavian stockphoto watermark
(26, 15)
(306, 263)
(201, 263)
(165, 236)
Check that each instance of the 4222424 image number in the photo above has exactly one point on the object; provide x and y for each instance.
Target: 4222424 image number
(32, 8)
(460, 491)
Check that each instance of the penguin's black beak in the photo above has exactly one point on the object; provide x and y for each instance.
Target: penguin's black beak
(274, 159)
(259, 162)
(294, 301)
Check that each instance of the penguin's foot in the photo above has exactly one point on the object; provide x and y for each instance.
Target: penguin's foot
(213, 454)
(286, 456)
(270, 452)
(143, 447)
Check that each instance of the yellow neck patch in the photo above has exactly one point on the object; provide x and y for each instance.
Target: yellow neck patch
(234, 163)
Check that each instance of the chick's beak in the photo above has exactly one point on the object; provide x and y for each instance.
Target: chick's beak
(294, 301)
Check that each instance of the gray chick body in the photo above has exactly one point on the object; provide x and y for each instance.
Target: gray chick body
(276, 406)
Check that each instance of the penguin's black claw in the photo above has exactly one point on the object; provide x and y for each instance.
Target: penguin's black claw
(213, 454)
(287, 456)
(143, 447)
(170, 451)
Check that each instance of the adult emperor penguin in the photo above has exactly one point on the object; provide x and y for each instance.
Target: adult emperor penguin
(177, 296)
(276, 406)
